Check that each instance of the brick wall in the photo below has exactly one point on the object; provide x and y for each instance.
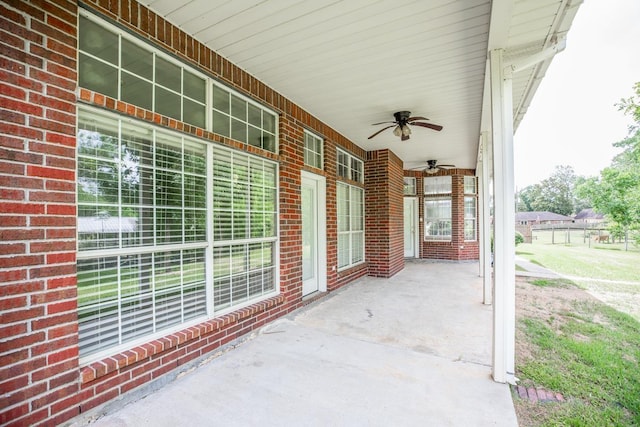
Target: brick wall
(384, 238)
(38, 348)
(41, 378)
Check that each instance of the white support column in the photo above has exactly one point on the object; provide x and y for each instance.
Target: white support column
(485, 219)
(504, 221)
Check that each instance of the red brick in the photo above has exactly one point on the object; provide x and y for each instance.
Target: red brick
(23, 341)
(12, 248)
(69, 353)
(70, 329)
(61, 258)
(62, 282)
(61, 209)
(21, 208)
(46, 172)
(50, 371)
(13, 303)
(53, 396)
(14, 413)
(13, 330)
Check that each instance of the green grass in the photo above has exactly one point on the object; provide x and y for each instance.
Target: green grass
(584, 262)
(551, 283)
(592, 359)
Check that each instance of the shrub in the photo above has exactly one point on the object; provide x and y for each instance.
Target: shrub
(519, 238)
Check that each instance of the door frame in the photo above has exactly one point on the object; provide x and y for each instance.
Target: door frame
(321, 217)
(416, 225)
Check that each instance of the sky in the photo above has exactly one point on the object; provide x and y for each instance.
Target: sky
(572, 119)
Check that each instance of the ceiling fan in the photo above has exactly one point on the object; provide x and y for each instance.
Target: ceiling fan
(402, 122)
(433, 167)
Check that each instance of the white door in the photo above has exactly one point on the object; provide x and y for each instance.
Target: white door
(313, 234)
(410, 227)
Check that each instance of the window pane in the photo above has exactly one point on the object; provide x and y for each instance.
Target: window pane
(409, 186)
(255, 137)
(97, 41)
(255, 115)
(137, 60)
(437, 185)
(136, 91)
(238, 108)
(194, 113)
(221, 100)
(98, 76)
(238, 130)
(221, 124)
(167, 103)
(470, 185)
(194, 87)
(269, 122)
(268, 142)
(437, 222)
(168, 74)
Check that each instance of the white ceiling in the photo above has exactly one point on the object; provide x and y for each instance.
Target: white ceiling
(352, 63)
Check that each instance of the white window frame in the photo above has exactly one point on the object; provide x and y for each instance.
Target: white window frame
(351, 234)
(470, 218)
(310, 153)
(209, 82)
(409, 188)
(438, 189)
(353, 169)
(207, 245)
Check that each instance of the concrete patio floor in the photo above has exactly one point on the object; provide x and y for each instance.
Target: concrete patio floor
(413, 350)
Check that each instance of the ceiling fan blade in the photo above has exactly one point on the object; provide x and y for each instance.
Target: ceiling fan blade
(446, 166)
(410, 119)
(383, 123)
(427, 125)
(383, 129)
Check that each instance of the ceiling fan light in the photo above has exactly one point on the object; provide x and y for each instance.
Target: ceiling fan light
(406, 130)
(397, 131)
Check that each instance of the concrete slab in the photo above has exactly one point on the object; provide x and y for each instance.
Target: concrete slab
(534, 270)
(412, 350)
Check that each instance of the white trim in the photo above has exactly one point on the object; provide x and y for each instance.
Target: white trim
(321, 242)
(305, 149)
(484, 197)
(504, 220)
(416, 226)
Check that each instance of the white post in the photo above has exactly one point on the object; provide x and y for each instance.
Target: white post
(504, 221)
(484, 201)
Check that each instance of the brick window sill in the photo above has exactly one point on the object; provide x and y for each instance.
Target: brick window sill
(100, 368)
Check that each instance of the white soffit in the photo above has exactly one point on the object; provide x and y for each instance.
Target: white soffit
(352, 63)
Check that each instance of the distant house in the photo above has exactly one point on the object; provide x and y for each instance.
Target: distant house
(535, 218)
(589, 216)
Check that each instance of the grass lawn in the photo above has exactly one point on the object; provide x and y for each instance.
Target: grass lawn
(611, 274)
(571, 343)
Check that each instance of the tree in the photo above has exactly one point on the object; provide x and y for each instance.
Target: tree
(554, 194)
(616, 192)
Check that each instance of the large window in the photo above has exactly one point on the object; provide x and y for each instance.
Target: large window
(350, 207)
(437, 208)
(147, 199)
(470, 208)
(244, 221)
(121, 66)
